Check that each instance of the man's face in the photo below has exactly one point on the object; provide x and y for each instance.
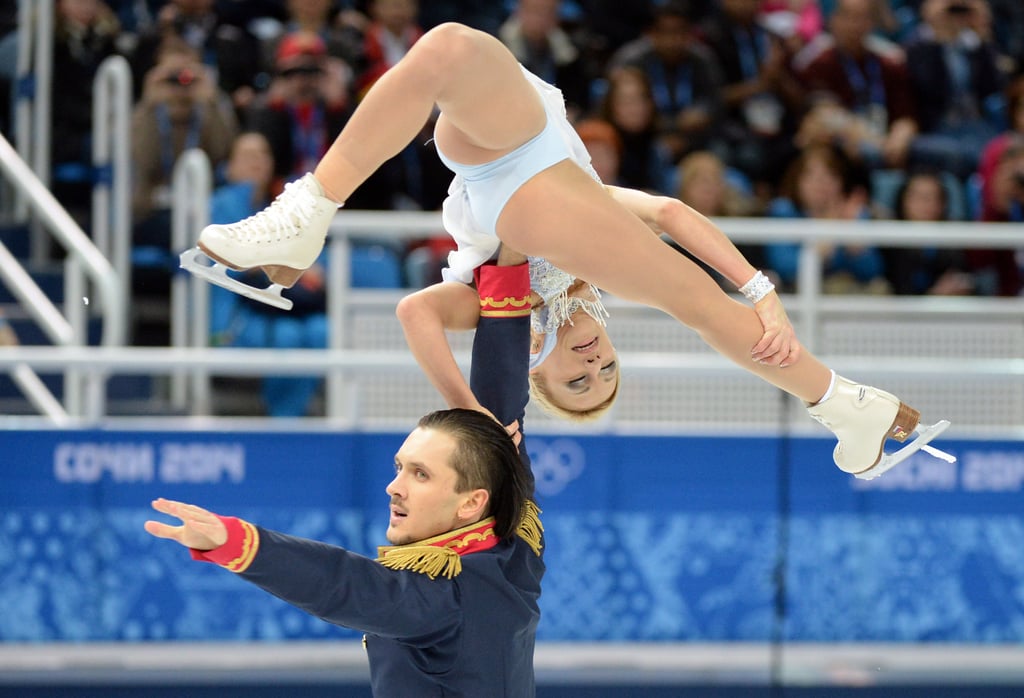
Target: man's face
(424, 502)
(852, 21)
(303, 78)
(670, 37)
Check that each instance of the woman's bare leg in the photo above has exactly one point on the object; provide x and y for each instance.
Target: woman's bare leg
(563, 215)
(487, 107)
(567, 218)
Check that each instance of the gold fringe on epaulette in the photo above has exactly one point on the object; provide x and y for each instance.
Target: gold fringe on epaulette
(530, 527)
(425, 559)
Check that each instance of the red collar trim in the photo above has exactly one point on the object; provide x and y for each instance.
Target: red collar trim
(470, 539)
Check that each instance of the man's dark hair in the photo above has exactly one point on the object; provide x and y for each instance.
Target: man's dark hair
(486, 458)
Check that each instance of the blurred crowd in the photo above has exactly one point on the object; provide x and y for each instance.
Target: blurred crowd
(832, 109)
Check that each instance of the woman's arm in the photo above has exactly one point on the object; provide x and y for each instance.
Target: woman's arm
(425, 315)
(699, 236)
(692, 231)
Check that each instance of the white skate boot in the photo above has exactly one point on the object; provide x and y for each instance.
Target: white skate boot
(283, 240)
(862, 418)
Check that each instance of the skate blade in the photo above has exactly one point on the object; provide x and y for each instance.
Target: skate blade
(216, 273)
(924, 436)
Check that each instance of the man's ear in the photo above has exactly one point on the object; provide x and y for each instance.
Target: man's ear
(474, 505)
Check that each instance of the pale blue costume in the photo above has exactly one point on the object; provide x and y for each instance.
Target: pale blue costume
(478, 194)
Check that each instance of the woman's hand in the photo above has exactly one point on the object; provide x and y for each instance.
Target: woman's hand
(778, 345)
(512, 429)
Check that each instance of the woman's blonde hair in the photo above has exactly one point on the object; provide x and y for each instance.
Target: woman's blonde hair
(540, 395)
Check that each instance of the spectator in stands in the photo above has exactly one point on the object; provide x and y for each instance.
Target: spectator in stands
(706, 185)
(859, 95)
(85, 34)
(957, 84)
(998, 272)
(535, 38)
(822, 183)
(306, 105)
(685, 82)
(239, 322)
(923, 197)
(340, 30)
(610, 24)
(628, 106)
(760, 94)
(799, 21)
(229, 51)
(605, 147)
(136, 16)
(181, 108)
(995, 147)
(391, 33)
(407, 180)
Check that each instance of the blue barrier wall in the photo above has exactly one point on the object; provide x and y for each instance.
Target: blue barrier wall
(675, 538)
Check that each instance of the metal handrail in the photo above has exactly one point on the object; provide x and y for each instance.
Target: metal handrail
(191, 186)
(808, 302)
(111, 160)
(83, 259)
(74, 239)
(34, 76)
(291, 362)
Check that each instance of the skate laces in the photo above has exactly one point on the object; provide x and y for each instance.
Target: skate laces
(286, 215)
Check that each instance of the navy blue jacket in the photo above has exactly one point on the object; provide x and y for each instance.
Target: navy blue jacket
(471, 635)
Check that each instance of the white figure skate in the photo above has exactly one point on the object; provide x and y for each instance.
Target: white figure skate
(283, 240)
(859, 414)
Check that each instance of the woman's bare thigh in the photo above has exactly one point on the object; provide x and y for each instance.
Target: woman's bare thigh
(488, 107)
(566, 217)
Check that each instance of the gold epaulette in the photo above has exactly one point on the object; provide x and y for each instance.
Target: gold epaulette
(425, 559)
(530, 527)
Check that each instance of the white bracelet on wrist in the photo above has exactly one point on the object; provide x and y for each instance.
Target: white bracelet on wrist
(757, 288)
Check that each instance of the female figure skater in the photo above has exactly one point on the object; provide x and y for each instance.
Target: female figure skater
(505, 135)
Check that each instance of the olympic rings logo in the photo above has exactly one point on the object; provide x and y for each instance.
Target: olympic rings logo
(556, 464)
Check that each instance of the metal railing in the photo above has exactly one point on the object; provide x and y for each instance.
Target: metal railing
(191, 355)
(33, 78)
(68, 329)
(111, 160)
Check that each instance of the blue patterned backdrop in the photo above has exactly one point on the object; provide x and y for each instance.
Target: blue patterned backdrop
(704, 539)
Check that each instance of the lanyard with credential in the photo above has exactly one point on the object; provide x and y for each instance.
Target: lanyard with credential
(163, 124)
(663, 96)
(867, 89)
(307, 135)
(749, 45)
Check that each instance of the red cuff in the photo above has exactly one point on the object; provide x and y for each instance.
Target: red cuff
(503, 291)
(240, 549)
